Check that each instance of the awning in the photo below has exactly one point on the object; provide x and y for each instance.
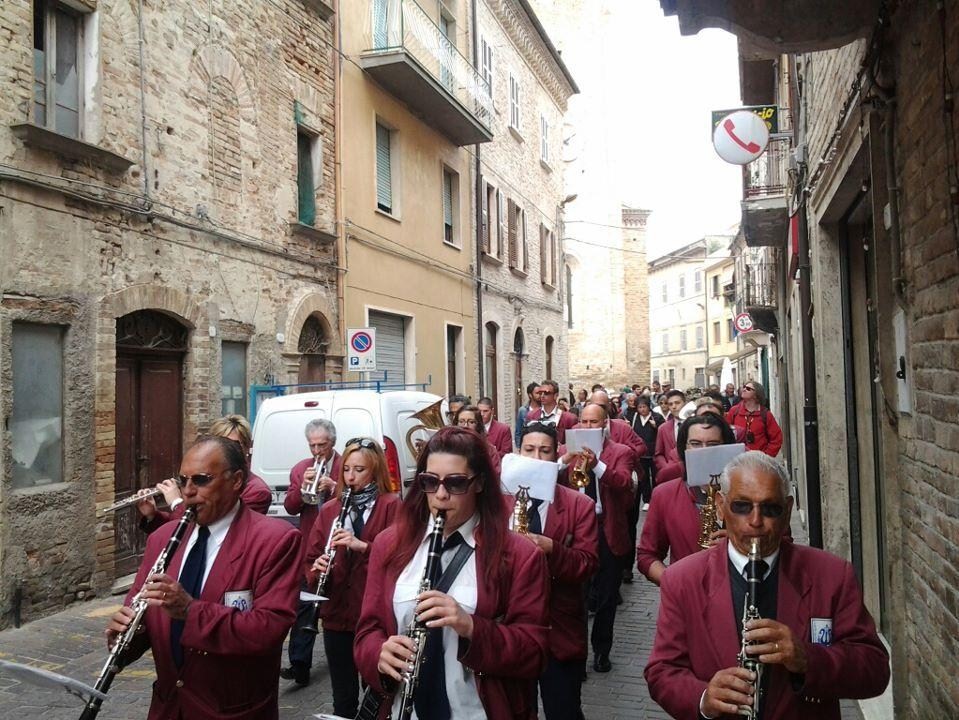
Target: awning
(735, 357)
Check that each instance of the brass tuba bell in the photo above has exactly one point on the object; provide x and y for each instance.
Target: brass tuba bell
(430, 417)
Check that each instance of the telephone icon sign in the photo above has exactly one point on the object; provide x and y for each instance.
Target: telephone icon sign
(730, 129)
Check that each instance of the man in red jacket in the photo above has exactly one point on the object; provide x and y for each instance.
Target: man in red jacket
(567, 531)
(218, 614)
(814, 638)
(549, 411)
(498, 433)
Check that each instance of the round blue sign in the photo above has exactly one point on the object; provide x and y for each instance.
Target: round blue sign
(361, 342)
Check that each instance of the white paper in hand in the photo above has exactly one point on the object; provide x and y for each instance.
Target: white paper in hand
(580, 438)
(537, 475)
(702, 463)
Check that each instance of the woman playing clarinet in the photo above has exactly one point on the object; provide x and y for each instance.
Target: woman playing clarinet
(371, 508)
(486, 618)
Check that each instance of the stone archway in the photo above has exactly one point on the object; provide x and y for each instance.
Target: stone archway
(311, 334)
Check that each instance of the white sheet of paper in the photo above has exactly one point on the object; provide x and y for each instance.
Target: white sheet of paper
(702, 463)
(538, 475)
(591, 438)
(311, 597)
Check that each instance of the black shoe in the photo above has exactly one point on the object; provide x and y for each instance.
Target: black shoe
(602, 664)
(297, 673)
(619, 598)
(628, 577)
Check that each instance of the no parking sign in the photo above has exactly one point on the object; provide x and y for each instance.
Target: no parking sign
(361, 349)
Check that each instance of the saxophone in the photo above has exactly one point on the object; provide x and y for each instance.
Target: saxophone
(521, 510)
(330, 552)
(114, 663)
(751, 612)
(708, 519)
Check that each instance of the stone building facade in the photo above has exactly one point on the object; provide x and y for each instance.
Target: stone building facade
(168, 237)
(521, 307)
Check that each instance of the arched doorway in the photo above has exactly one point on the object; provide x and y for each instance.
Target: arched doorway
(312, 345)
(150, 346)
(519, 350)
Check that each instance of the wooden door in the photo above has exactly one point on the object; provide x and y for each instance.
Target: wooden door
(149, 430)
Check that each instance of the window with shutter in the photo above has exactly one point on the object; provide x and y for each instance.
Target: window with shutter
(522, 214)
(501, 221)
(543, 252)
(448, 183)
(512, 231)
(485, 207)
(384, 171)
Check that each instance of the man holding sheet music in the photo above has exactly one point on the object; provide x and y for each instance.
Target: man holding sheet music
(563, 524)
(609, 466)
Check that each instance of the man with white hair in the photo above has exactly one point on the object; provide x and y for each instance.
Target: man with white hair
(814, 639)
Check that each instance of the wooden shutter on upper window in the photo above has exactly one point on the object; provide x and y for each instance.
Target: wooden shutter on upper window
(543, 251)
(524, 240)
(501, 221)
(512, 230)
(484, 204)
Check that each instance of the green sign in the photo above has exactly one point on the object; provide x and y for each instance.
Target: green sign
(769, 113)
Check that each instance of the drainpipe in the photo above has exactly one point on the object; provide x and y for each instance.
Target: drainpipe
(480, 349)
(342, 264)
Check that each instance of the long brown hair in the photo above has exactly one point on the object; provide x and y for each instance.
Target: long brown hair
(374, 455)
(412, 517)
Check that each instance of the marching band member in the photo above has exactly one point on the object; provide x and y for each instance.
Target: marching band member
(549, 411)
(470, 418)
(612, 473)
(813, 635)
(491, 642)
(256, 494)
(497, 432)
(566, 530)
(666, 453)
(672, 524)
(372, 507)
(217, 617)
(325, 462)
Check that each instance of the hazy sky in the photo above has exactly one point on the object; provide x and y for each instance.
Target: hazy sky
(659, 91)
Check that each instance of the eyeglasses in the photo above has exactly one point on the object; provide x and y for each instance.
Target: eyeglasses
(749, 387)
(463, 422)
(455, 484)
(766, 509)
(199, 479)
(365, 443)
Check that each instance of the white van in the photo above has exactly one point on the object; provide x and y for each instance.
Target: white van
(279, 441)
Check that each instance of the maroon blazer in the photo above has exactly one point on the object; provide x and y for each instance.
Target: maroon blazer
(231, 657)
(672, 526)
(347, 579)
(256, 495)
(510, 636)
(500, 436)
(622, 432)
(615, 492)
(696, 635)
(293, 502)
(666, 452)
(566, 421)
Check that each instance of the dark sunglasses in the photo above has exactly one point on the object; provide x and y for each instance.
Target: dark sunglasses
(200, 479)
(749, 387)
(365, 443)
(766, 509)
(455, 484)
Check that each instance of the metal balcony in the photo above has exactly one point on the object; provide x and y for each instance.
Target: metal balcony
(765, 216)
(759, 294)
(413, 59)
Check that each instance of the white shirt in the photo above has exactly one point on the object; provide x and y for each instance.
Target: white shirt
(367, 511)
(460, 681)
(739, 560)
(552, 417)
(218, 531)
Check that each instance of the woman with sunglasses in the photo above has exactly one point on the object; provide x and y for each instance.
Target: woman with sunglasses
(760, 430)
(489, 612)
(470, 418)
(372, 509)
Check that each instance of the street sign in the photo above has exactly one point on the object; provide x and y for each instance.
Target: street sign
(743, 322)
(768, 113)
(740, 137)
(361, 349)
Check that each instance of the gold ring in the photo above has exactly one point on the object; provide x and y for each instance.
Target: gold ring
(777, 647)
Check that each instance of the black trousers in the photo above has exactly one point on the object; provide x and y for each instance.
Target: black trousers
(343, 675)
(301, 641)
(632, 518)
(606, 584)
(560, 686)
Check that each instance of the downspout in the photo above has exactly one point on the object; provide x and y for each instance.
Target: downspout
(342, 264)
(478, 190)
(143, 107)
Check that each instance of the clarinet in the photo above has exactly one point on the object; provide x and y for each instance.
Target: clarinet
(372, 701)
(751, 612)
(330, 552)
(124, 640)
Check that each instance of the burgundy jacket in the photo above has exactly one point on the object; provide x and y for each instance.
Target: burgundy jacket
(510, 635)
(622, 432)
(672, 526)
(231, 660)
(696, 635)
(294, 496)
(500, 436)
(666, 452)
(615, 492)
(347, 579)
(256, 495)
(566, 421)
(767, 435)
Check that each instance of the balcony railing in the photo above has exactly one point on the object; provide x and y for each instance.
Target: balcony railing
(759, 289)
(767, 176)
(403, 27)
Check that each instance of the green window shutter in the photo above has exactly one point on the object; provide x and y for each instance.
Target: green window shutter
(384, 177)
(305, 192)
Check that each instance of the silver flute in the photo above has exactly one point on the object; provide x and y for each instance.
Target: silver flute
(139, 496)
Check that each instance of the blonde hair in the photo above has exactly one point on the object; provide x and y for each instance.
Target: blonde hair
(229, 424)
(374, 453)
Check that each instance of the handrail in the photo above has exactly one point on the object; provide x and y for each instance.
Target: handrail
(767, 175)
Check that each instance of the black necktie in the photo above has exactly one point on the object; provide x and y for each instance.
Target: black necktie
(356, 515)
(191, 578)
(761, 565)
(534, 522)
(431, 701)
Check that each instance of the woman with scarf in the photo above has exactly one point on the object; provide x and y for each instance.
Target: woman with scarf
(372, 508)
(487, 618)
